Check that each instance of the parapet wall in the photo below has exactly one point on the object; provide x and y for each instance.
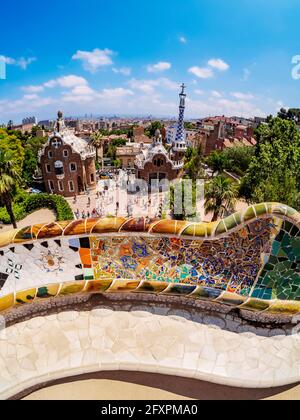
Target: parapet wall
(250, 260)
(217, 302)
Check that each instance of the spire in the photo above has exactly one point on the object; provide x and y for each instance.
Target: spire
(180, 134)
(60, 123)
(157, 138)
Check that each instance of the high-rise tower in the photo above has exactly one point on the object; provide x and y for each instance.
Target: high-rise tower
(180, 146)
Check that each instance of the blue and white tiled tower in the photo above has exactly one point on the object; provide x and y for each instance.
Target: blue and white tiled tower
(180, 145)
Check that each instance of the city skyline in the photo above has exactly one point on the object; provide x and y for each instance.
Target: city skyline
(124, 60)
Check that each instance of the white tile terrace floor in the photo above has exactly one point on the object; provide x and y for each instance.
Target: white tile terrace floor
(74, 343)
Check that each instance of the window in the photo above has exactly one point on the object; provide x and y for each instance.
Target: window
(158, 162)
(48, 168)
(92, 178)
(60, 186)
(73, 167)
(59, 167)
(50, 155)
(51, 185)
(71, 186)
(56, 143)
(66, 153)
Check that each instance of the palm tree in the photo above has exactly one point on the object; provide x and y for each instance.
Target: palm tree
(97, 143)
(217, 162)
(8, 177)
(220, 197)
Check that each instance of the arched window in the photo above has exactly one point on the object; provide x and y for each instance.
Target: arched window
(59, 168)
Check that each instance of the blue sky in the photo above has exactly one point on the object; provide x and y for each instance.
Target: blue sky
(130, 56)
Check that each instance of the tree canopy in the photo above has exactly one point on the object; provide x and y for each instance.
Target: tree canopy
(292, 114)
(155, 125)
(274, 172)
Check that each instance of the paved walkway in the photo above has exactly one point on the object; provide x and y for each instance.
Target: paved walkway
(40, 216)
(108, 390)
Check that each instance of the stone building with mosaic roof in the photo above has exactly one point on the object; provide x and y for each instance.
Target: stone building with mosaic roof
(67, 162)
(156, 162)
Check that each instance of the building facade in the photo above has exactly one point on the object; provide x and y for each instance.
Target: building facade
(67, 163)
(155, 163)
(127, 154)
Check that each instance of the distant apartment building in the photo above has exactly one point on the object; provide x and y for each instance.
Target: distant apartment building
(171, 131)
(24, 128)
(49, 124)
(127, 154)
(29, 120)
(140, 137)
(219, 133)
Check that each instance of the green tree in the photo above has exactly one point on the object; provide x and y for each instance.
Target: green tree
(30, 165)
(119, 142)
(217, 161)
(189, 125)
(9, 175)
(155, 125)
(9, 142)
(193, 163)
(274, 172)
(97, 143)
(292, 114)
(220, 197)
(238, 159)
(186, 208)
(10, 124)
(117, 163)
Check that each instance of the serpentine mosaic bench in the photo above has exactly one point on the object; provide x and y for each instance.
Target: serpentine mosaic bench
(250, 260)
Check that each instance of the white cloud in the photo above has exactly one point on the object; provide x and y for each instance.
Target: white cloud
(148, 86)
(221, 106)
(216, 94)
(84, 94)
(201, 72)
(22, 62)
(82, 90)
(33, 89)
(70, 81)
(93, 60)
(218, 63)
(31, 96)
(158, 67)
(240, 108)
(28, 102)
(183, 39)
(125, 71)
(199, 92)
(242, 96)
(115, 93)
(66, 82)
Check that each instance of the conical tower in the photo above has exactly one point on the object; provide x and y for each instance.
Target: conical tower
(180, 147)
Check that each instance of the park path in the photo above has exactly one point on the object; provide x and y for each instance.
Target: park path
(40, 216)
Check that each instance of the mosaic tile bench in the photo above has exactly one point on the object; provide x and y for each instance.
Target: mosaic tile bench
(250, 260)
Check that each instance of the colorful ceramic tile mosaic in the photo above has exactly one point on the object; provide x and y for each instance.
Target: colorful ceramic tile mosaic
(250, 259)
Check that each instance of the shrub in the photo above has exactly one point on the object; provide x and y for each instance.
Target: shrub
(25, 204)
(55, 202)
(18, 210)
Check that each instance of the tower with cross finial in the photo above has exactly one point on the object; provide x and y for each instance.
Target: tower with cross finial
(180, 146)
